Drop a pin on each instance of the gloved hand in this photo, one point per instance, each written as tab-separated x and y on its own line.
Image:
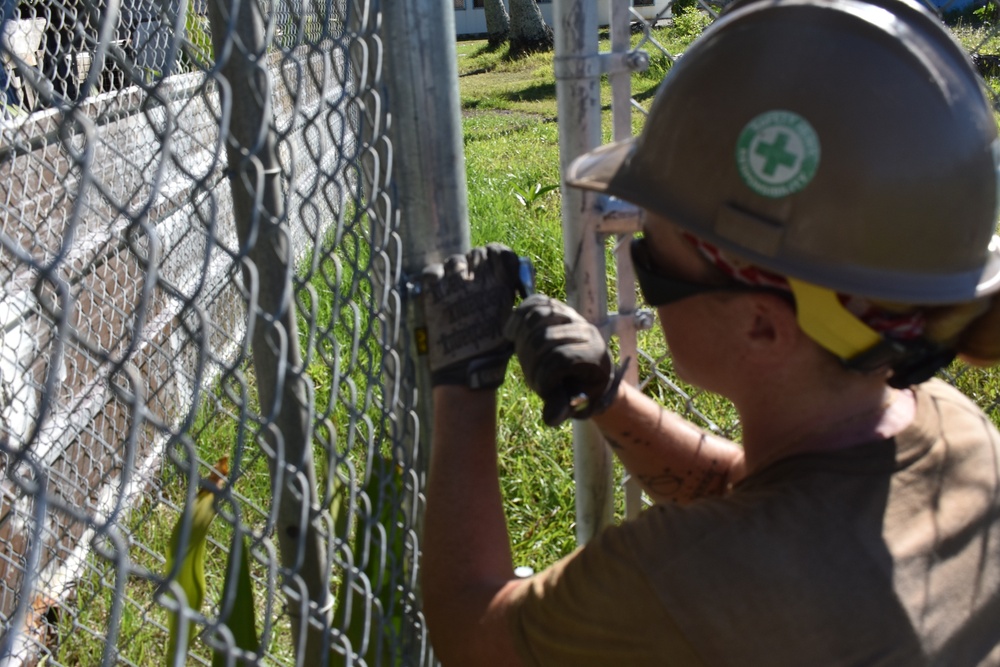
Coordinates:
564	358
467	300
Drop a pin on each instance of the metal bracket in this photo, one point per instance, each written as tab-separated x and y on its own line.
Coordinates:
591	67
617	216
641	319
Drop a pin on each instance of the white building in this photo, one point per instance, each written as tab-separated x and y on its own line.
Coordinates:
470	17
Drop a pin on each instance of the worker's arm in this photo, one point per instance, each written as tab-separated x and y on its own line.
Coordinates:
466	569
672	459
566	361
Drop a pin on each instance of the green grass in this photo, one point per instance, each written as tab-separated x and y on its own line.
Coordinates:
143	633
511	146
342	343
981	36
492	81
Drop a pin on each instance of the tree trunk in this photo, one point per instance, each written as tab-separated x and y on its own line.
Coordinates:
497	23
528	30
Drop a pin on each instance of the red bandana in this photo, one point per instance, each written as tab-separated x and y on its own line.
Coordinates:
898	326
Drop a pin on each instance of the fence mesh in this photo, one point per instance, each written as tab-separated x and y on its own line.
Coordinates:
200	354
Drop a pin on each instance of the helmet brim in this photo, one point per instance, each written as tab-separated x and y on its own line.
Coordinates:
595	170
989	282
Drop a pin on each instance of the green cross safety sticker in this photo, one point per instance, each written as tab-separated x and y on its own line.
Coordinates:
777	153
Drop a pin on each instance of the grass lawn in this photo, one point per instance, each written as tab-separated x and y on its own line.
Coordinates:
512	152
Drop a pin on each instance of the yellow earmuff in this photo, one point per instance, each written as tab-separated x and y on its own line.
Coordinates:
824	319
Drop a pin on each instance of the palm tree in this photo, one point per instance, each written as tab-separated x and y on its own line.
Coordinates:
528	30
497	23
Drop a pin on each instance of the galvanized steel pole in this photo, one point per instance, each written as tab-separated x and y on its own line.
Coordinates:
238	37
578	68
421	76
426	130
621	116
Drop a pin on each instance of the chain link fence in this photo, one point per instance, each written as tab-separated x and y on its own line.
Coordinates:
203	357
200	360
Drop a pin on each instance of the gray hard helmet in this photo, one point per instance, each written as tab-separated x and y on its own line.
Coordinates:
845	143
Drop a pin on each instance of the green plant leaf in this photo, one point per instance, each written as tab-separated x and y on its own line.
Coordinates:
242	621
523	196
191	571
527	198
357	609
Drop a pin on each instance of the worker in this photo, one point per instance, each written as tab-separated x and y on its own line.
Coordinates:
818	182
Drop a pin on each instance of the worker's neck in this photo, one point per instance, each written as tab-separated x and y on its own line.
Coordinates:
782	421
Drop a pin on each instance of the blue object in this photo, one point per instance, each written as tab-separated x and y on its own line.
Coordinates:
9	95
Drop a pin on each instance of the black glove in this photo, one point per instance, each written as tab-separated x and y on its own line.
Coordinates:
564	358
467	300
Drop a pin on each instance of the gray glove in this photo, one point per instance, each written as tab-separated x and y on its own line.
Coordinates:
564	358
467	300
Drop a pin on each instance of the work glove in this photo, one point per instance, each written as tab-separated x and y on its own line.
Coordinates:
467	300
564	358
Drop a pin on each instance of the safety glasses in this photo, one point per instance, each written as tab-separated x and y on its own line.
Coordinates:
660	290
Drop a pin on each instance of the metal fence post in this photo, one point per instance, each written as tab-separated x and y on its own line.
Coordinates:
422	78
238	39
627	222
422	82
578	69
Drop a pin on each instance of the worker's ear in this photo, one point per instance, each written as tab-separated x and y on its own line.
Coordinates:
770	327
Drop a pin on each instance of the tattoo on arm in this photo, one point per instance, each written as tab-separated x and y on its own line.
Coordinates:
673	486
710	484
625	439
690	474
666	483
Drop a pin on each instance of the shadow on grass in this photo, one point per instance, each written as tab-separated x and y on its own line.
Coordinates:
488	48
535	93
485	50
515	122
526	50
646	94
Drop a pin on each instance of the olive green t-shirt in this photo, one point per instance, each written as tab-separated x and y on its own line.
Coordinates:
882	554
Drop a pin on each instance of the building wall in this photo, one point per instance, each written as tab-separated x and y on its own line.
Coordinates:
470	20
